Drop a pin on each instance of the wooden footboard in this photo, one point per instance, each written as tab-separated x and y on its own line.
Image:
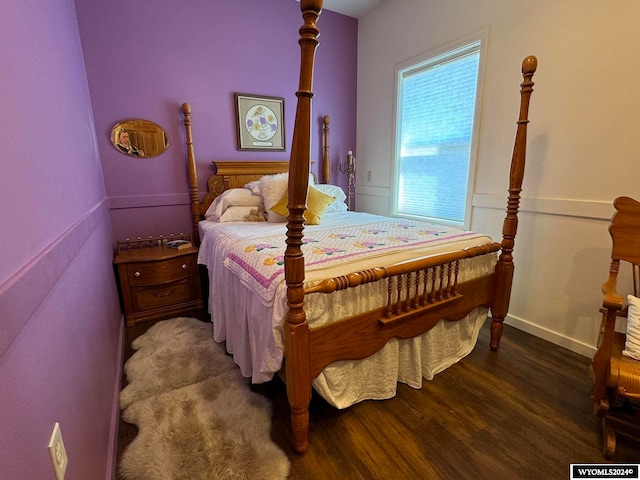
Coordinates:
418	294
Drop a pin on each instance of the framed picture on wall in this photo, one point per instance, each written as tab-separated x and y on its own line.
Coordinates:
260	122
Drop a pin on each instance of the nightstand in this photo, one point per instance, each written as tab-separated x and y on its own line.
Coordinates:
156	281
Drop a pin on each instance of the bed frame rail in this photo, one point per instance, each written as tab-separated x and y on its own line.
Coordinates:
419	293
438	262
335	341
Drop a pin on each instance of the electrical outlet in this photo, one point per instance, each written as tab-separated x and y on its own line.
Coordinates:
58	453
368	175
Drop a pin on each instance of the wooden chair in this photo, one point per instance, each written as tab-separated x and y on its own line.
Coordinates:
616	389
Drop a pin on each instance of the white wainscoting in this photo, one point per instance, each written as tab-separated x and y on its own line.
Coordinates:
545	262
596	209
376	199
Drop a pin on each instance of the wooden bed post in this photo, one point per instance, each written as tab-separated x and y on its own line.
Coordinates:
504	268
296	332
193	176
326	158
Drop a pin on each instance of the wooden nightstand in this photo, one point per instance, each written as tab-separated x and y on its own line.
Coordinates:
156	281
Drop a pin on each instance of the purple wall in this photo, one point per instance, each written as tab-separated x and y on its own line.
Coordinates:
69	73
145	58
60	325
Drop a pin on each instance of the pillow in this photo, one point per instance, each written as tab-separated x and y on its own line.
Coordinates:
334	191
272	187
243	214
632	343
254	186
317	203
337	207
232	197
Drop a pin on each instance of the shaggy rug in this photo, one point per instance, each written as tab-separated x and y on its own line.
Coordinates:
197	418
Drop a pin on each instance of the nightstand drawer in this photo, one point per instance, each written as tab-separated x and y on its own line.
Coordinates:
146	273
160	295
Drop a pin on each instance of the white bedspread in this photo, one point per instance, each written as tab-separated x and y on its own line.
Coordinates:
250	319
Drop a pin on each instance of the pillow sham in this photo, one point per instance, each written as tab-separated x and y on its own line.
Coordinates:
272	187
243	214
334	191
232	197
632	343
317	203
337	206
254	185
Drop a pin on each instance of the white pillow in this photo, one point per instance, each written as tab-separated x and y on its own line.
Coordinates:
242	197
253	186
335	191
238	214
632	343
272	188
337	206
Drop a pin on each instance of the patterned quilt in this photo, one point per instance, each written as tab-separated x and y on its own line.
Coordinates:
260	264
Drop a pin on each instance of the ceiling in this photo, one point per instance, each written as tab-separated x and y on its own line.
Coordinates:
352	8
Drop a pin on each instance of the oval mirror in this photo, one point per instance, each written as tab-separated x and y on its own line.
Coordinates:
139	138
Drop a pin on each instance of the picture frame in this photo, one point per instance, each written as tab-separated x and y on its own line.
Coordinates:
260	122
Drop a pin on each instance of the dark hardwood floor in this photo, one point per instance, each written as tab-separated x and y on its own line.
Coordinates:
521	413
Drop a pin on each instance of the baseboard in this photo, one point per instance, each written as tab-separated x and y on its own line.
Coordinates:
550	336
112	459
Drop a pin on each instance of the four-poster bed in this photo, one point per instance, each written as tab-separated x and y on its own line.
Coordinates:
401	300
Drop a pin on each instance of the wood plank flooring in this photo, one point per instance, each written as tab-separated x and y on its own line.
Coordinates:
521	413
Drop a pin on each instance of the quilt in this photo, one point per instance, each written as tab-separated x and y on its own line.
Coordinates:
260	264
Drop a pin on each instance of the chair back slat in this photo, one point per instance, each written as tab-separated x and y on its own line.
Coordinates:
625	231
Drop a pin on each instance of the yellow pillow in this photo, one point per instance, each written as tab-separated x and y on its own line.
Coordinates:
317	203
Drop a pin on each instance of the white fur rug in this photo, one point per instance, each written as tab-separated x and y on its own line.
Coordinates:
197	418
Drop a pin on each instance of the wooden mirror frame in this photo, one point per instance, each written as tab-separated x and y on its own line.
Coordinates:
146	139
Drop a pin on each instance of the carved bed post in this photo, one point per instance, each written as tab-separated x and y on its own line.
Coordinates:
504	268
326	158
296	332
193	176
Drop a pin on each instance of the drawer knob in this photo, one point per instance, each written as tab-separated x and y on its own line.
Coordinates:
137	274
184	266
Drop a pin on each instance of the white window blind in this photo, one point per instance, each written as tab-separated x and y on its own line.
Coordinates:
436	101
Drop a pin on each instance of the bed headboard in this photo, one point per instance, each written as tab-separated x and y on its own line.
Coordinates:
235	174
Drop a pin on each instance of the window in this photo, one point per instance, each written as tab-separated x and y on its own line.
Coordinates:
434	139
